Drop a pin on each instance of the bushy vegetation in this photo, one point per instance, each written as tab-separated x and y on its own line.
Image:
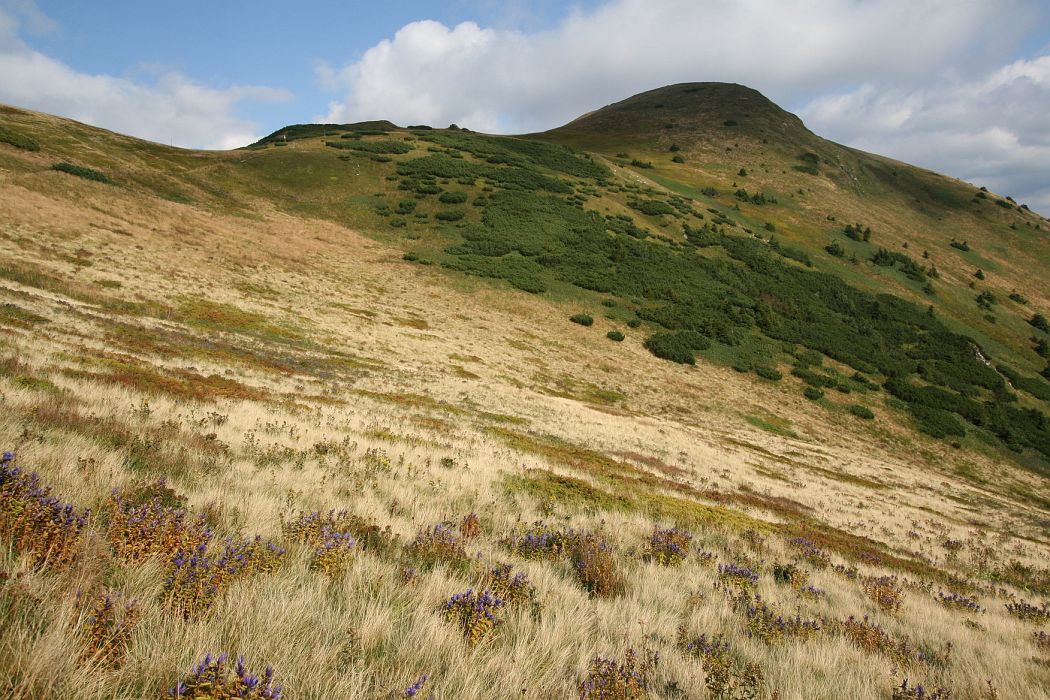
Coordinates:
80	171
911	269
388	146
18	140
453	197
582	319
677	346
652	207
753	296
861	411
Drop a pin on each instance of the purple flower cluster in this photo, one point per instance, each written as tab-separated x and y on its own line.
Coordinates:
211	678
513	589
38	524
737	575
476	614
106	631
438	542
811	552
413	690
197	579
706	647
1023	610
766	623
538	543
138	531
607	679
812	592
333	555
669	547
887	592
594	561
918	692
956	600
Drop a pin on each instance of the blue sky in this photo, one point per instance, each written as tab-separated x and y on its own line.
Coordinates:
958	86
278	44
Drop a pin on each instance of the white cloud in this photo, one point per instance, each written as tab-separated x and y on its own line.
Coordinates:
990	129
171	109
513	82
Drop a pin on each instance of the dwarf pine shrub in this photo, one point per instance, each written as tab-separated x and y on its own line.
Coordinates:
582	319
80	171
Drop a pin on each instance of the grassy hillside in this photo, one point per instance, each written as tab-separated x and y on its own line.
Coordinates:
354	341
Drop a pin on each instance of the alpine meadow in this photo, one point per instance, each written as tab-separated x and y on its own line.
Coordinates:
676	401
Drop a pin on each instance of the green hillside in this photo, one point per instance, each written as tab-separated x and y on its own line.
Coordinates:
707	219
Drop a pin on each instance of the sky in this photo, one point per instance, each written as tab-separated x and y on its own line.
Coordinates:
957	86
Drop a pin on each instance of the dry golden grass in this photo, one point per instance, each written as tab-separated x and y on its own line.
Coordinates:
276	364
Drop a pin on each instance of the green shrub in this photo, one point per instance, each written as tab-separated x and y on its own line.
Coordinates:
615	335
378	147
449	215
678	159
79	171
18	140
768	373
746	295
813	393
678	346
634	323
452	197
861	411
582	319
652	207
1039	321
936	422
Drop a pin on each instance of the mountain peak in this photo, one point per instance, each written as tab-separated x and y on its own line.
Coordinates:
719	107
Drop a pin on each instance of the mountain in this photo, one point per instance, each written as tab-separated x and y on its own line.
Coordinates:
679	377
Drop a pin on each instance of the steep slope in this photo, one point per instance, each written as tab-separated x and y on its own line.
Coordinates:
259	329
